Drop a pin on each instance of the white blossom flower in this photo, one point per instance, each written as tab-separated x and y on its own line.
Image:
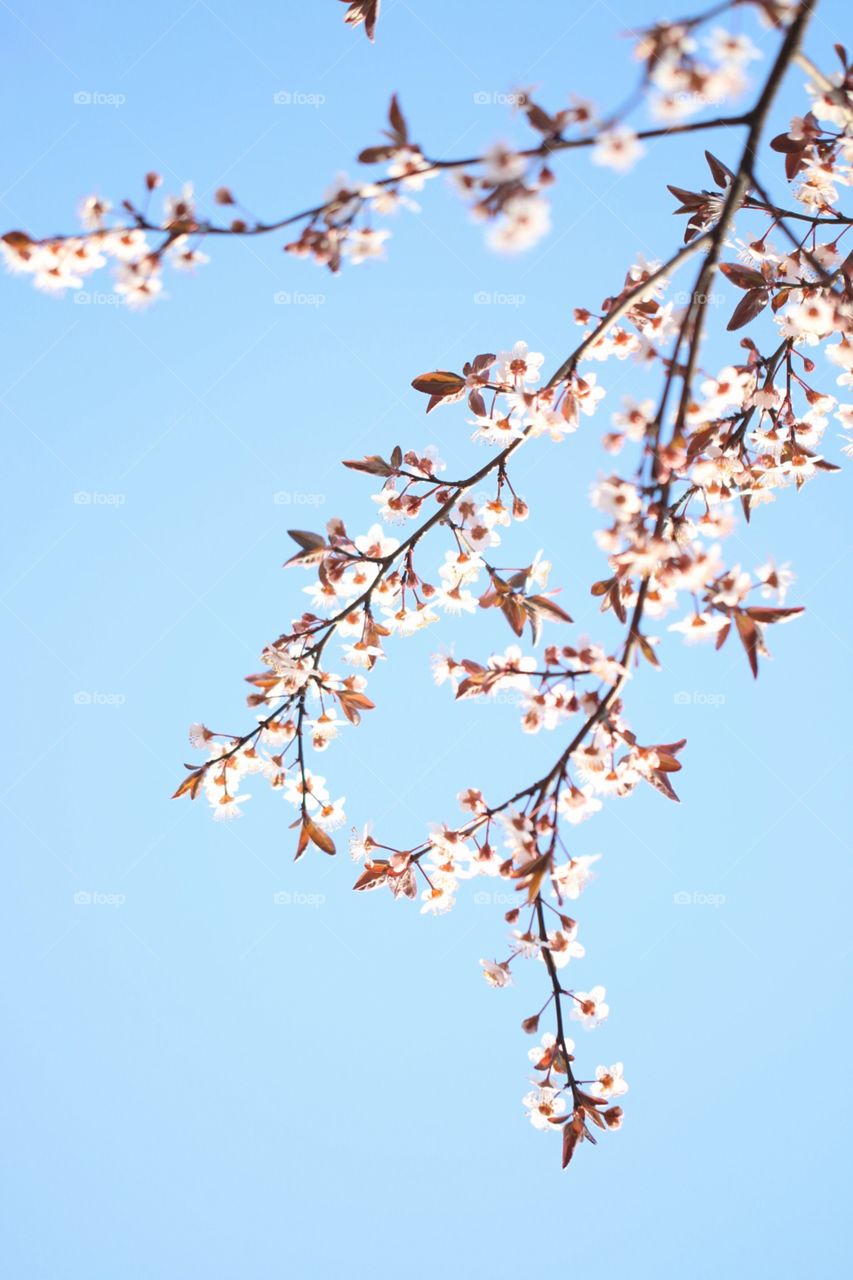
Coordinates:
497	975
589	1008
618	148
524	220
544	1105
610	1082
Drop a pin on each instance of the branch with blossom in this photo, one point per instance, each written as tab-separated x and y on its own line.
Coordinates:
707	445
504	187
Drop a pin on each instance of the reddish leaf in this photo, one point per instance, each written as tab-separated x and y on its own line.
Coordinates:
514	612
318	836
743	277
573	1132
751	304
352	703
749	638
190	785
373	465
721	174
302	843
404	885
439	383
767	614
647	651
476	403
307	541
376	155
658	779
397	121
17	240
366	11
548	608
375	874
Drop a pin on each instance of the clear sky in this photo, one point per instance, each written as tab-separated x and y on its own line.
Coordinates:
201	1081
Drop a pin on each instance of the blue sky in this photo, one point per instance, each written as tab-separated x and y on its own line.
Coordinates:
202	1081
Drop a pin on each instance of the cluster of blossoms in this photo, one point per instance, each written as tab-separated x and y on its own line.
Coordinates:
506	186
709	444
367	588
65	262
688	74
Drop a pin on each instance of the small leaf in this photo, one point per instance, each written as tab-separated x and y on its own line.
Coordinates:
658	779
749	638
751	304
397	120
647	651
302	843
372	465
307	541
548	608
439	383
404	885
743	277
573	1132
17	240
318	836
190	785
376	155
366	11
721	174
768	615
373	876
